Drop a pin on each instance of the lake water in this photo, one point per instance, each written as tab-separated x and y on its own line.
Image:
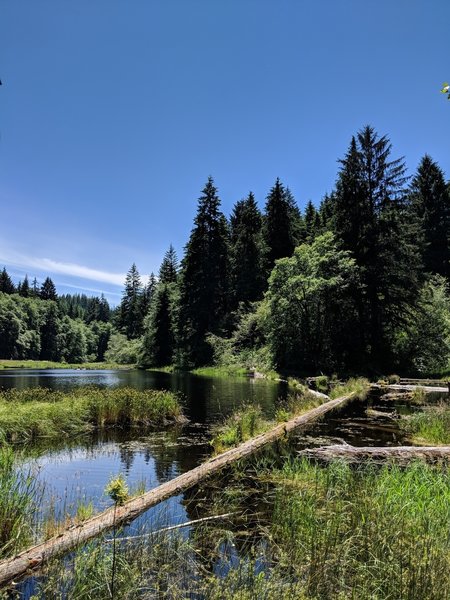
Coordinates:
78	470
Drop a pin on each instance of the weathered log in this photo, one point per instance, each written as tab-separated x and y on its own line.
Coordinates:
34	557
397	454
410	388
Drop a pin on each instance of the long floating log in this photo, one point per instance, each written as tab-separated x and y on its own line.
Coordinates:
398	454
77	534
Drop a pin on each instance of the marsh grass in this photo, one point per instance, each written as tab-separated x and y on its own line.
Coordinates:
429	426
26	415
17	498
359	386
364	533
250	421
334	532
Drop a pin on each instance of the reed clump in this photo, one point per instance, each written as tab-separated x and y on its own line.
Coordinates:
17	503
26	415
363	532
429	426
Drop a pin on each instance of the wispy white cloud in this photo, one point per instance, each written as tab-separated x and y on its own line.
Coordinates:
51	266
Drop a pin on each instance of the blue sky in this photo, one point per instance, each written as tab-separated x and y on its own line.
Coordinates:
114	113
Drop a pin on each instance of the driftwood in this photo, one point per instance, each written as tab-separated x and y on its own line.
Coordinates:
398	454
77	534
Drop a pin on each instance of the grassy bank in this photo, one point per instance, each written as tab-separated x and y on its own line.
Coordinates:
429	426
48	364
34	413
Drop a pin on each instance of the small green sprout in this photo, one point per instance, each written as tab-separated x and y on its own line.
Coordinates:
117	490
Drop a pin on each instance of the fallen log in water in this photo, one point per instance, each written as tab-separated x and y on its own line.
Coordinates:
78	534
398	454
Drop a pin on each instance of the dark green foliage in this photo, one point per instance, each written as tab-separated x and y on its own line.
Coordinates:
370	220
297	221
24	290
430	205
130	311
204	280
159	338
148	295
49	333
168	271
312	222
278	230
48	290
247	277
6	284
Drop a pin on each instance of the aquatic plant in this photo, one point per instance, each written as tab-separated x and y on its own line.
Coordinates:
429	426
38	412
17	497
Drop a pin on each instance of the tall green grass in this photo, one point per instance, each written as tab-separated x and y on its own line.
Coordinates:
26	415
17	496
429	426
365	532
48	364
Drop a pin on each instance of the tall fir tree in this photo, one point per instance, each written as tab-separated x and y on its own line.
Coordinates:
168	271
130	315
204	281
49	333
278	229
6	284
370	220
48	290
159	338
246	267
430	205
312	222
297	220
148	295
25	288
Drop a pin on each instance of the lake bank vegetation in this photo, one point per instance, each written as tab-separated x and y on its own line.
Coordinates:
320	532
356	284
249	421
29	414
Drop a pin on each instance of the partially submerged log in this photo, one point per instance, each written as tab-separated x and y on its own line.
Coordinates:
410	388
34	557
397	454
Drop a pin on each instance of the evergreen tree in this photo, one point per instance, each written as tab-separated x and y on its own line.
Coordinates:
25	288
297	221
370	221
130	310
431	207
48	290
168	271
246	269
204	281
49	333
6	284
148	294
34	289
159	337
312	222
278	230
104	311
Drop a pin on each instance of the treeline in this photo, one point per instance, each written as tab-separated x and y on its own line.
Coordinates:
36	324
358	284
